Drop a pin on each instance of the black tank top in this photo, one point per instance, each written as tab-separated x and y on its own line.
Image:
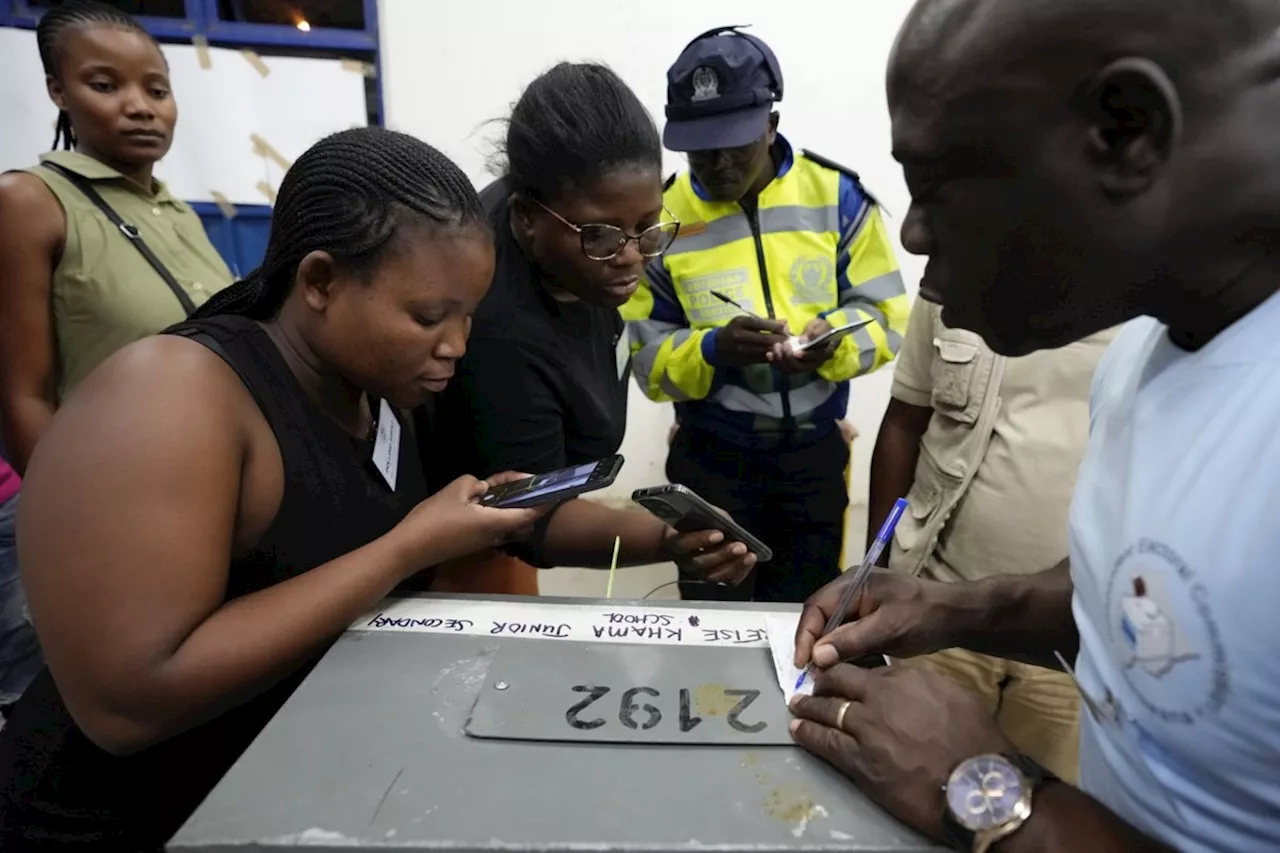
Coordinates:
57	789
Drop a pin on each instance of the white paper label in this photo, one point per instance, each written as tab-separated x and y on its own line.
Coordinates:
782	642
594	623
386	446
622	354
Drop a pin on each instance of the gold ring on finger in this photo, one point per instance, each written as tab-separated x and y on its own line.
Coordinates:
844	708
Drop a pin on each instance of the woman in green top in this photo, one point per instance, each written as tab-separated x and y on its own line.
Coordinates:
73	288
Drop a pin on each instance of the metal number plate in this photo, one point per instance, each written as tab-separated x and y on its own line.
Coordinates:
631	694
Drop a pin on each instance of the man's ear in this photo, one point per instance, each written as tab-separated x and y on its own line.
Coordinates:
773	127
1135	120
316	279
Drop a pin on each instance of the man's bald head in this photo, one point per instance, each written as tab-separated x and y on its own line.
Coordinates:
1057	38
1060	154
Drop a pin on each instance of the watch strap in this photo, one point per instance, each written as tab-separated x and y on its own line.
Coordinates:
1036	774
957	836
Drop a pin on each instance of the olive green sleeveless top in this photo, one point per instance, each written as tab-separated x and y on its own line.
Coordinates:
104	293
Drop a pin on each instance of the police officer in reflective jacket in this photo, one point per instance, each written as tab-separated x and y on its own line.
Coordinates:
776	247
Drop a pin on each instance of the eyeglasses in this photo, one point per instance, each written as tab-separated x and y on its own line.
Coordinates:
605	242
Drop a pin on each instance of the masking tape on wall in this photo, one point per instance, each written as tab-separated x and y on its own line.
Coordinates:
267	190
256	61
201	44
264	148
357	67
224	204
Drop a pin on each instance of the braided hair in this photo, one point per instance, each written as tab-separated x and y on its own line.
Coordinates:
348	195
572	125
49	34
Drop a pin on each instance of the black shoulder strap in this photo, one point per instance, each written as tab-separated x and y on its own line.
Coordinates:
844	170
200	336
669	182
129	231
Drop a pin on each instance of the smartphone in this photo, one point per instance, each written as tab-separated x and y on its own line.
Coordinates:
684	510
833	335
555	486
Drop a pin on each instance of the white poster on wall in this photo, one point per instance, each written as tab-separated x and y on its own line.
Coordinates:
221	110
27	117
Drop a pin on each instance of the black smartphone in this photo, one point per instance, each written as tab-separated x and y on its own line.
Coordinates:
686	511
554	486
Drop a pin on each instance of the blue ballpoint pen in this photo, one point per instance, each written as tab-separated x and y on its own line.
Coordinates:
860	576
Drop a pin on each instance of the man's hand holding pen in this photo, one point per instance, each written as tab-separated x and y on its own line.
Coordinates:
748	340
896	732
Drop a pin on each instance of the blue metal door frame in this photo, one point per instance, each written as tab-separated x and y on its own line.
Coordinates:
241	239
203	19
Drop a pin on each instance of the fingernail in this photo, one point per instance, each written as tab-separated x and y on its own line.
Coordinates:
824	655
794	725
739	549
717	537
795	702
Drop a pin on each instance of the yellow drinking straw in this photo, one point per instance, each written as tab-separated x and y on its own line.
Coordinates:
613	567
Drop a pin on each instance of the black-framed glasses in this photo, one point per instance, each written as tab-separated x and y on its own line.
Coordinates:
605	242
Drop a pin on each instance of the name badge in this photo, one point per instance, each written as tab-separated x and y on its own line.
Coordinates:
386	445
622	354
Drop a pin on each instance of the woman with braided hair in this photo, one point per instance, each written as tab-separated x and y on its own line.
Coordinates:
73	289
216	504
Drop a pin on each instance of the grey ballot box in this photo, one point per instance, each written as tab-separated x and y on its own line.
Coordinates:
413	741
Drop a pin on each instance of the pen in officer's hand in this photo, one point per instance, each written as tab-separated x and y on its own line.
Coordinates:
860	576
718	295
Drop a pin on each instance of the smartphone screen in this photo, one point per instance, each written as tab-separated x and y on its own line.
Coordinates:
555	485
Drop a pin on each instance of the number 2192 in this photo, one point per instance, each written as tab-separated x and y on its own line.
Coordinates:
635	712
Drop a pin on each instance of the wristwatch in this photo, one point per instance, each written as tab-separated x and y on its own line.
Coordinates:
988	797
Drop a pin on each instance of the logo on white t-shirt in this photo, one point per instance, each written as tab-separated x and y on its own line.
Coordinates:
1164	635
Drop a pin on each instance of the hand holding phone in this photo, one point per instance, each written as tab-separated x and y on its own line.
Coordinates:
833	336
555	486
454	522
685	511
813	349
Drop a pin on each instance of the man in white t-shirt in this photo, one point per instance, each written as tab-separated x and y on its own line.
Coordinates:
1075	164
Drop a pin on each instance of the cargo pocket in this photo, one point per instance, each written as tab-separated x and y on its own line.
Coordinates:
928	492
953	378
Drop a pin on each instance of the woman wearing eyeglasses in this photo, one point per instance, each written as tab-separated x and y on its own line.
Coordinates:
577	213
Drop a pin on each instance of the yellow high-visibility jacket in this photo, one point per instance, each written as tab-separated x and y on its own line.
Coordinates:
815	246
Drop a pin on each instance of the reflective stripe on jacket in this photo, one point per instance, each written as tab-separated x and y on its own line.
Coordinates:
815	246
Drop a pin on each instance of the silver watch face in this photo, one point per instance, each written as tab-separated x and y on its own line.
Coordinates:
986	792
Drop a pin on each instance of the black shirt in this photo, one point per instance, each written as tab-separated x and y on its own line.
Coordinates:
57	789
543	384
